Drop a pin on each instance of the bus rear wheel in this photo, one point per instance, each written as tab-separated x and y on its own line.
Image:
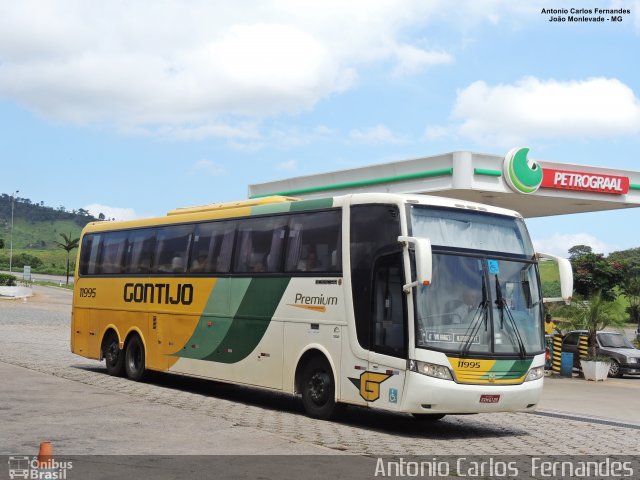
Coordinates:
113	356
134	365
318	389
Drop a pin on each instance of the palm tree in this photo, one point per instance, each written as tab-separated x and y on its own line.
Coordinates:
68	244
593	315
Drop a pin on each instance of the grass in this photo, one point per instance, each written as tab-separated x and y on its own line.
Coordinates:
52	284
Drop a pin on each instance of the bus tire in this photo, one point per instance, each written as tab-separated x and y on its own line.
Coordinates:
113	356
428	417
134	365
318	389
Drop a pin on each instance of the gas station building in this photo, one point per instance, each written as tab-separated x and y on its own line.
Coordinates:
534	188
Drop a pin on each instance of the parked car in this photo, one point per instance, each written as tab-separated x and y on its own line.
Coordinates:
625	358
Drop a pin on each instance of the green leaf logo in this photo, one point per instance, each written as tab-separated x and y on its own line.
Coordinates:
522	175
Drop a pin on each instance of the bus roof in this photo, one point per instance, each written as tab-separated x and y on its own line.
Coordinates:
281	204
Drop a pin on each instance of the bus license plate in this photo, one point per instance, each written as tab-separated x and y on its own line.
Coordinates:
489	398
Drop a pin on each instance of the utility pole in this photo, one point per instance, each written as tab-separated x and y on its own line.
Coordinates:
13	201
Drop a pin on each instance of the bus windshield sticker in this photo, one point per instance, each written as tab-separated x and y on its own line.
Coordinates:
493	265
439	337
459	338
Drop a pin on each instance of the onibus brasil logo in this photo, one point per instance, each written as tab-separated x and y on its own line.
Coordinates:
522	175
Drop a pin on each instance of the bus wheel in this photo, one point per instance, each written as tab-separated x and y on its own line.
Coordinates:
428	417
134	358
113	356
318	389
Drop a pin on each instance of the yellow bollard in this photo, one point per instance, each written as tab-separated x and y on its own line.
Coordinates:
583	347
556	354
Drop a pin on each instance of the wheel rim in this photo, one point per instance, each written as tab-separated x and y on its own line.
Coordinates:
614	368
112	353
318	387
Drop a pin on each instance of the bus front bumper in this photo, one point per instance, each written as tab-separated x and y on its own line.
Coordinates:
424	394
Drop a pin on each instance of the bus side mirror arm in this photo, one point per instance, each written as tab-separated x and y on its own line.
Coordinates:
424	261
566	277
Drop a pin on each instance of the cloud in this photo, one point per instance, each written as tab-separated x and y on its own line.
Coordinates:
559	244
118	213
288	165
377	135
207	167
193	71
507	114
412	60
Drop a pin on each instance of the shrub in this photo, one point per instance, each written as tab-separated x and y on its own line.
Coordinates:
7	280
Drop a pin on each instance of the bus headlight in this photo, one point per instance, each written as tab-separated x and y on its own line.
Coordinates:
535	374
430	369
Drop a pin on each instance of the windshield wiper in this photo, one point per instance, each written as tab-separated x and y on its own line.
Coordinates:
474	326
502	305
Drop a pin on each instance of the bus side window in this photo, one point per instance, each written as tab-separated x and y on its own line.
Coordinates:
112	253
140	244
260	245
314	243
172	249
89	257
212	246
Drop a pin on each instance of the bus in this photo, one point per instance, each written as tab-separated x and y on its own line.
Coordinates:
407	303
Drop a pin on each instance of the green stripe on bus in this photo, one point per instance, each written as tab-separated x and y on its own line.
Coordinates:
220	310
298	206
509	369
251	321
312	204
282	207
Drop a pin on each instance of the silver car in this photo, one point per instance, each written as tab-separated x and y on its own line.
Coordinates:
625	358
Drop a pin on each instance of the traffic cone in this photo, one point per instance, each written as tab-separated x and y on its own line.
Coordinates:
45	454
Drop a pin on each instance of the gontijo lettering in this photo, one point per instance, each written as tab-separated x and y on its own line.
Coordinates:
158	293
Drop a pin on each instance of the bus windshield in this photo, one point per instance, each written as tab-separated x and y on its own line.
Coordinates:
470	229
479	302
480	305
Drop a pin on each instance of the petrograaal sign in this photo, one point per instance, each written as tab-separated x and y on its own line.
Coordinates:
585	182
526	176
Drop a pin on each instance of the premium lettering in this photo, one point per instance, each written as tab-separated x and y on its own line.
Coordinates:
160	293
321	300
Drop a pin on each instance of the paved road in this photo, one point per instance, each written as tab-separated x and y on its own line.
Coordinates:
49	393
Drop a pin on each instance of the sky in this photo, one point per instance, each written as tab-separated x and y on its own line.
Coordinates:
134	108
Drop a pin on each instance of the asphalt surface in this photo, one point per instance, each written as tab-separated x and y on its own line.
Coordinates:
47	393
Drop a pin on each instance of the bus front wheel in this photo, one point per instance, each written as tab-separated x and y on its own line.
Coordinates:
113	356
134	358
318	389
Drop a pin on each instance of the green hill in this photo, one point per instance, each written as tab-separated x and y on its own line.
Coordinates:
36	228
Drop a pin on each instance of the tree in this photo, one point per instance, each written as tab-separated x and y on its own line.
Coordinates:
594	274
68	244
630	284
1	243
593	315
579	250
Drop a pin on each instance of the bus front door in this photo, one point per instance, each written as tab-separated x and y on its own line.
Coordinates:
384	382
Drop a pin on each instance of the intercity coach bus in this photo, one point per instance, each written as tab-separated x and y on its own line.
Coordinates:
408	303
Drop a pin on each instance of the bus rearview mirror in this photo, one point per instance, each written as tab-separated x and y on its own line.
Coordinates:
565	273
424	260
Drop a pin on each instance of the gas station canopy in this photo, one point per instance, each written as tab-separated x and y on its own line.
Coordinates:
532	188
